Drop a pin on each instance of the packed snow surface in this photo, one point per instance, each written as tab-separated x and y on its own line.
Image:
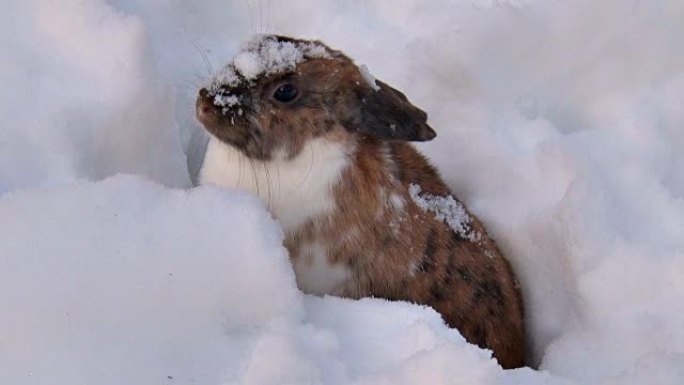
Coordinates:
559	126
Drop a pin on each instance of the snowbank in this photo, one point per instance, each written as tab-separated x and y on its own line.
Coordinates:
127	282
80	99
559	125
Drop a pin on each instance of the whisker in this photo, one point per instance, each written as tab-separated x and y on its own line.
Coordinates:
280	193
268	184
324	93
184	35
205	58
240	163
251	16
308	173
268	16
261	16
314	107
255	176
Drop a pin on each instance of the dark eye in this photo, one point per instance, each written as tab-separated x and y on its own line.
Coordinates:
286	93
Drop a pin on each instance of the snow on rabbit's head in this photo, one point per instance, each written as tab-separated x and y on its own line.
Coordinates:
279	92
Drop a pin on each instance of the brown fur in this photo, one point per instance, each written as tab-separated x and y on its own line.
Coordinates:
393	250
409	255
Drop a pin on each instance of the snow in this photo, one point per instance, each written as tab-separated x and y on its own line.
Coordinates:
446	209
125	281
70	104
102	283
559	126
264	55
226	100
368	77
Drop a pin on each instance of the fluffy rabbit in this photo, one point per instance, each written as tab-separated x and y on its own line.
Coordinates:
364	214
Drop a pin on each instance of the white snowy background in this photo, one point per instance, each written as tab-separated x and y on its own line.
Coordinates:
560	124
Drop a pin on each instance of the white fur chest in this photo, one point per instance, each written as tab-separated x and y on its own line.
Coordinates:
315	274
294	190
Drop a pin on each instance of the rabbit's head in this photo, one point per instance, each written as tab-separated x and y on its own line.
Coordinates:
278	93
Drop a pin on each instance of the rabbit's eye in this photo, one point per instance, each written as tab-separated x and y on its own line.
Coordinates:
286	93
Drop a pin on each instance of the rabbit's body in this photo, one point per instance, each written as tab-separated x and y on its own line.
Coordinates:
362	215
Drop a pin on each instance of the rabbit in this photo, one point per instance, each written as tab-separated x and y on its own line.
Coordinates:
326	146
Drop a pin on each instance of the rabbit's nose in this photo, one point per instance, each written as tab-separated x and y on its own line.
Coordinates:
205	109
205	106
205	103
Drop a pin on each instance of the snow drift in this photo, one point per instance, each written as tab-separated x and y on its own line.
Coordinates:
559	125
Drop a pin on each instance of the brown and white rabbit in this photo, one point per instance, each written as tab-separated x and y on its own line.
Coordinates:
364	214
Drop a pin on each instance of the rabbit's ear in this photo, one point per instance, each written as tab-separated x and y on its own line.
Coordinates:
386	113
